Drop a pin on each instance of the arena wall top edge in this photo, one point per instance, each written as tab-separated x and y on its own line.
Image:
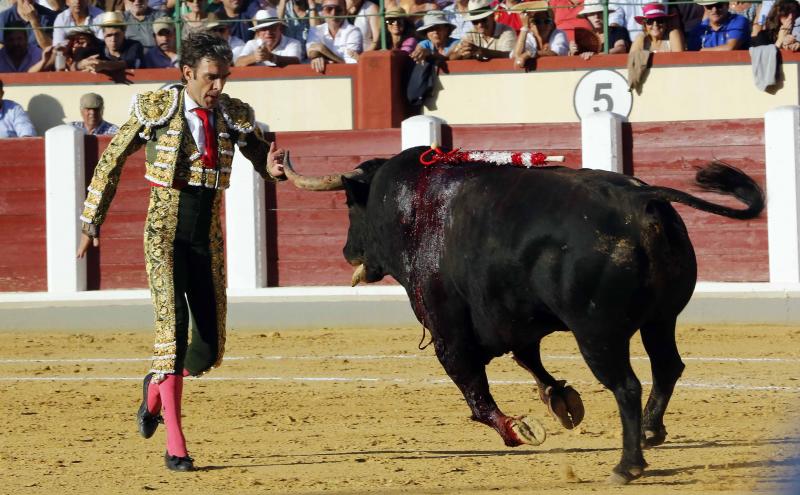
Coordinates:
371	94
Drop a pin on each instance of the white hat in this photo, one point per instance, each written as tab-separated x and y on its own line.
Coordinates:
435	18
266	18
593	7
479	9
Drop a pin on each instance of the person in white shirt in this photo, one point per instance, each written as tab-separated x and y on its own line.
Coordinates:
538	36
78	13
367	21
337	41
270	47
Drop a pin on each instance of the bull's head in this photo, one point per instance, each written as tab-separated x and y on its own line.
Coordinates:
356	185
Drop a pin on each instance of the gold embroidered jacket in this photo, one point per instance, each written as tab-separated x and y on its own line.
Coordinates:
157	120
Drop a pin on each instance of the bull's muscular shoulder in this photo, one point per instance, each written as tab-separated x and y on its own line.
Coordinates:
155	108
237	114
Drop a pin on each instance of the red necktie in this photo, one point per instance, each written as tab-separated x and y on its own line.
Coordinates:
210	154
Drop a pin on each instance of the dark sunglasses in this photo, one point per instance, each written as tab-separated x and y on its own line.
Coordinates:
394	21
718	6
332	8
542	22
659	20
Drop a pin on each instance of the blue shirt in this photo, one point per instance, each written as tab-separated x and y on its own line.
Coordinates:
46	19
735	27
14	122
428	45
103	128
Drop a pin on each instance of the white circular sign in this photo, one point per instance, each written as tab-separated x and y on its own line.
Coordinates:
602	91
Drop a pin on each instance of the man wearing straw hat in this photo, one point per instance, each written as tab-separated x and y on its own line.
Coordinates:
490	39
188	132
270	46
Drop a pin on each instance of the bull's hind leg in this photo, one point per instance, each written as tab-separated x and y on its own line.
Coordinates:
563	402
609	360
465	365
666	366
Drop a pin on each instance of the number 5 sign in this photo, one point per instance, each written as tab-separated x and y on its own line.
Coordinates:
602	91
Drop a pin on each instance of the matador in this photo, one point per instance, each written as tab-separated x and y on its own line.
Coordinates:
188	132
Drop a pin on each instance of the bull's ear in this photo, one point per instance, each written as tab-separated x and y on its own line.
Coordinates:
357	191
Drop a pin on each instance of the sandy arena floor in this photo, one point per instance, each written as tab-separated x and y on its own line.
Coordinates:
365	411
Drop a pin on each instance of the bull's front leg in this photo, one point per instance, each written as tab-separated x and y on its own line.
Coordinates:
467	368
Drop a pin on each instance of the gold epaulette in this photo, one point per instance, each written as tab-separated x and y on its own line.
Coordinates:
237	114
155	108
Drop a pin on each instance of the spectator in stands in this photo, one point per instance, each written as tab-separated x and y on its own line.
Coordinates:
17	55
778	26
689	16
505	14
139	18
79	13
588	44
438	44
163	7
623	13
164	54
223	31
14	121
270	46
457	14
657	35
195	19
92	116
539	36
364	15
490	38
337	41
34	17
720	30
239	14
119	52
565	14
300	16
81	44
399	31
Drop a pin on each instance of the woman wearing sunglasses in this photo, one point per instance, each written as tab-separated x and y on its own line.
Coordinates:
399	31
538	37
659	34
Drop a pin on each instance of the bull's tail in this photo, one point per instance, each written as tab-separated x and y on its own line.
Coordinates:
721	178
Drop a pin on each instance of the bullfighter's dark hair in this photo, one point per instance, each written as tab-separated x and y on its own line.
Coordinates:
200	45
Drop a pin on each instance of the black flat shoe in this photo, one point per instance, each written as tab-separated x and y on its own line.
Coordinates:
147	421
175	463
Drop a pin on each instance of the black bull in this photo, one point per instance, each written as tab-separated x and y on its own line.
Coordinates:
494	258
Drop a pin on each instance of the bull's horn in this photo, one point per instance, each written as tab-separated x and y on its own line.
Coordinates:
358	275
316	182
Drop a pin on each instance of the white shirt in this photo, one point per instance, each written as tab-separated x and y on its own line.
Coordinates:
194	122
287	47
558	43
362	23
459	19
348	38
64	21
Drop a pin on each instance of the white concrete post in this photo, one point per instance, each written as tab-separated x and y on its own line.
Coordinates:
421	130
65	193
245	226
782	150
601	141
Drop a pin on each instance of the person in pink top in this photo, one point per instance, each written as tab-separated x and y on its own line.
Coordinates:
399	31
565	14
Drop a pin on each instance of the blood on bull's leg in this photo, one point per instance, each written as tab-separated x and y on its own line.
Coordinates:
563	401
666	365
611	365
468	371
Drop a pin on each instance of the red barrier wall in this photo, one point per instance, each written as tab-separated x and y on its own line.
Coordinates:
23	230
667	154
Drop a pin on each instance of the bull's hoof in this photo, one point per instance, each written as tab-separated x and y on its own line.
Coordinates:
528	431
653	437
623	477
565	404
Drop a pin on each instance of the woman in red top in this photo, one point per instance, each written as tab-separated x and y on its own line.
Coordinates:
565	14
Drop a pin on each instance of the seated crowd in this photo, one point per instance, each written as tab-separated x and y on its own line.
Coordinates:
114	35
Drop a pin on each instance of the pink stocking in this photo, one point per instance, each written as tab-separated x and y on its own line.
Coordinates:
153	398
171	389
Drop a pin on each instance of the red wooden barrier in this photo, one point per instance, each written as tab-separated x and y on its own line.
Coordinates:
23	230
